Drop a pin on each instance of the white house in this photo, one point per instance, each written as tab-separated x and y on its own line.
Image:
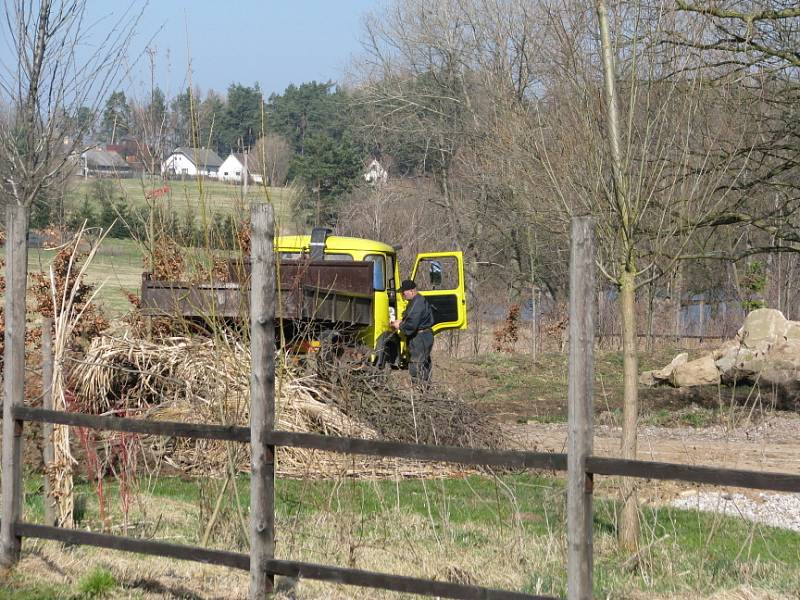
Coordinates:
376	174
191	162
233	167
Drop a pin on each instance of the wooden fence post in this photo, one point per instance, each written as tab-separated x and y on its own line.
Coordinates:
582	294
48	451
262	399
13	379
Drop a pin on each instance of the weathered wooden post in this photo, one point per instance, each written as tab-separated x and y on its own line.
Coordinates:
13	379
262	399
582	296
48	451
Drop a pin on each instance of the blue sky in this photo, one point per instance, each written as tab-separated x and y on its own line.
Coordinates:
270	42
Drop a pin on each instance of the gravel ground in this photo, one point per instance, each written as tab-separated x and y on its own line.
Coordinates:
777	510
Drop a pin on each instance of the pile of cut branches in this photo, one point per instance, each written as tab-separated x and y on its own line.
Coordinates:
207	381
435	415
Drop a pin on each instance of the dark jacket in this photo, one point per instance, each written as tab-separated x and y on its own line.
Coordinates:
418	315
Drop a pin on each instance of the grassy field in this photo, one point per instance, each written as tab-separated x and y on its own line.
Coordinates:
522	391
118	264
503	531
195	196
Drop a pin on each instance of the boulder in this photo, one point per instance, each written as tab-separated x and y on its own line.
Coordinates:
726	356
781	365
727	347
651	378
726	365
665	373
646	378
763	328
702	371
793	331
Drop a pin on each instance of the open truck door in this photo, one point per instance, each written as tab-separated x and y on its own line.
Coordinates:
440	278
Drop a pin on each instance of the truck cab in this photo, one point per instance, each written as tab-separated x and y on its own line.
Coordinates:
439	277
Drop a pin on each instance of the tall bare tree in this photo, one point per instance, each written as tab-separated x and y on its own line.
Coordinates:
529	113
56	74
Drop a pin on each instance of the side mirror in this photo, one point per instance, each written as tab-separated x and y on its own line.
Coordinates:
436	273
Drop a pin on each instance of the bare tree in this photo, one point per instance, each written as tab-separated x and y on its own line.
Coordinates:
527	114
273	154
56	74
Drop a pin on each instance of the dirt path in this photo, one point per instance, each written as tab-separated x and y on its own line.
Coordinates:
771	445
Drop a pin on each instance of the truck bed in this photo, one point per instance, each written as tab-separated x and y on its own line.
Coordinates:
332	291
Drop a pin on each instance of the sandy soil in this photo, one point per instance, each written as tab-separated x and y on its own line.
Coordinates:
773	444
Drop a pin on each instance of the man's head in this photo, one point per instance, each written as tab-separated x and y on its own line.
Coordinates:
408	289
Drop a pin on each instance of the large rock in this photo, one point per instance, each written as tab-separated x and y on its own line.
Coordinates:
762	329
781	365
746	367
665	373
646	378
702	371
726	356
793	331
651	378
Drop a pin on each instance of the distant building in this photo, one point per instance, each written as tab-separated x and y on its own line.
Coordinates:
233	167
192	162
104	163
140	156
376	174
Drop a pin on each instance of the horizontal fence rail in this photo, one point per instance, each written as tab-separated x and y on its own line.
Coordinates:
761	480
666	336
231	433
237	560
598	465
451	454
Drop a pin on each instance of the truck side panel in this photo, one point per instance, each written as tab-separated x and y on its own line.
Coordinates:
324	291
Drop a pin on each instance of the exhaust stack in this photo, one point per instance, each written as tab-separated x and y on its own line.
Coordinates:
318	237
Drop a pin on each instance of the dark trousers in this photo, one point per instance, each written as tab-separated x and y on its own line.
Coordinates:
419	365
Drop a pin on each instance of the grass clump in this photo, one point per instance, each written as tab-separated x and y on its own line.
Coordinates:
97	583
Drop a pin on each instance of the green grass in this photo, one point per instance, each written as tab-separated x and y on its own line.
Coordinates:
690	416
97	583
186	196
332	521
19	590
537	391
117	265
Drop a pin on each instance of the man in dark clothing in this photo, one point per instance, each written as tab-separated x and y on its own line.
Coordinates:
416	324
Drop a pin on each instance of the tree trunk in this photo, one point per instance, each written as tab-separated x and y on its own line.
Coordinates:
629	518
677	295
651	295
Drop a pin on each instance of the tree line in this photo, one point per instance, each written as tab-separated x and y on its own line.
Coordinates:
305	133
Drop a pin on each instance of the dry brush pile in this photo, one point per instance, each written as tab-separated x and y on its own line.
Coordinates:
207	381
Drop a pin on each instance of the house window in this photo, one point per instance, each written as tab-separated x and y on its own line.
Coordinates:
185	171
226	172
237	173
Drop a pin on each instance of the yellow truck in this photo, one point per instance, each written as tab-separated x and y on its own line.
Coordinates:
333	292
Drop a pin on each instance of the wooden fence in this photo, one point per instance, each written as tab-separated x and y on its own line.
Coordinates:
580	464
